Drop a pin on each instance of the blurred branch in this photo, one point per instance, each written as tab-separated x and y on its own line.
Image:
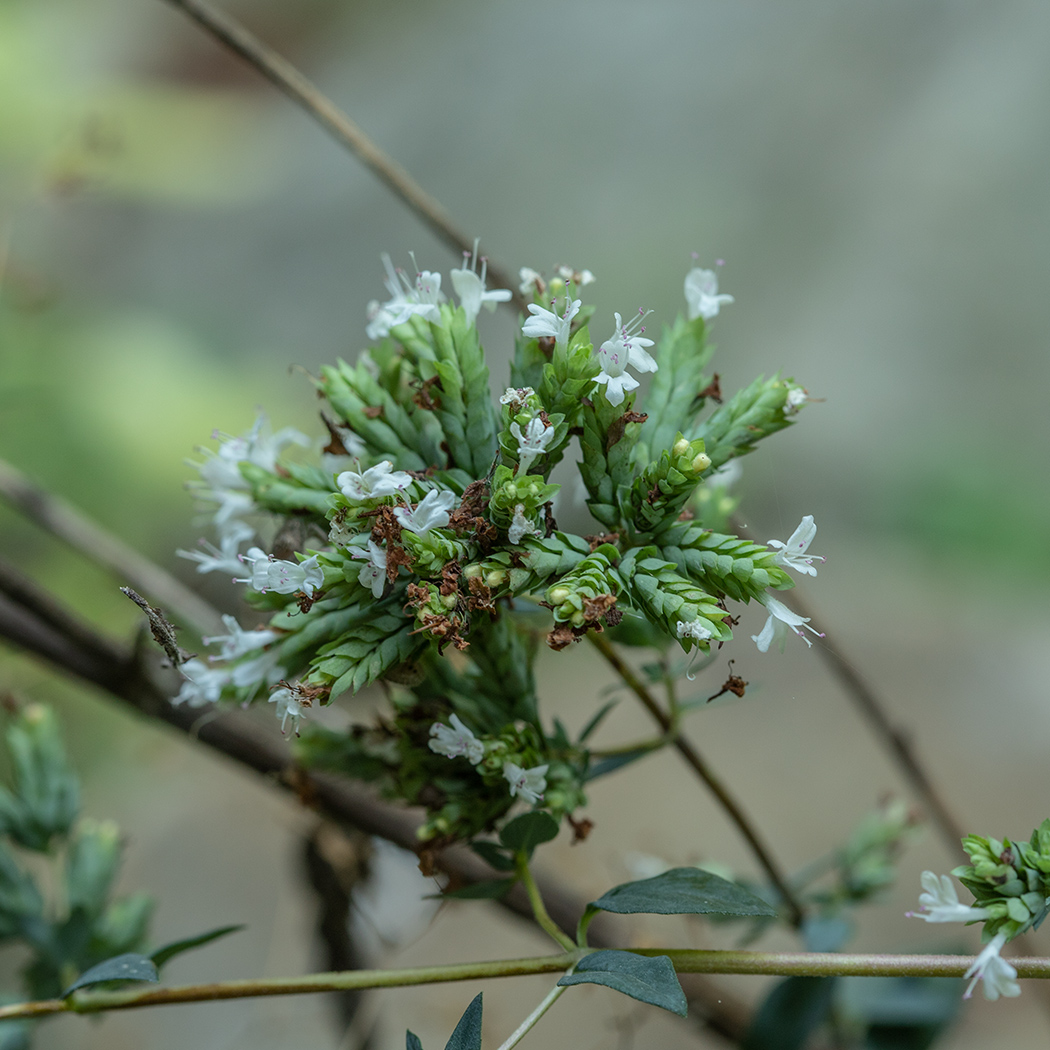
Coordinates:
693	758
61	519
33	620
291	83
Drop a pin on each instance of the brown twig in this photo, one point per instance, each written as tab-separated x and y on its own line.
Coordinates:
696	762
63	520
291	83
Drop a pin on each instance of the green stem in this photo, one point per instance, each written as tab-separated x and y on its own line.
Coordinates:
523	1029
538	909
777	964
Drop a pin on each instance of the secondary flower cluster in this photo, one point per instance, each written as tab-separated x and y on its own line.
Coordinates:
1010	882
426	520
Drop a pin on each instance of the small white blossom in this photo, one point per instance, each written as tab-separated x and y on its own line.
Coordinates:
701	294
693	629
519	395
796	398
291	704
456	741
999	977
940	903
532	443
225	558
779	616
623	348
239	641
203	685
406	299
520	526
470	287
547	324
284	577
432	512
259	671
373	572
375	483
531	281
792	555
528	784
220	469
580	277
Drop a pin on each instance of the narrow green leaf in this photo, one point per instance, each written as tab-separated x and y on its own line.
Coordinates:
493	855
682	891
596	720
412	1041
169	951
467	1035
128	967
795	1008
648	979
487	889
523	834
615	762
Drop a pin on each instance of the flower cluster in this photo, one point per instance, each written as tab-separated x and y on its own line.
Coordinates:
427	523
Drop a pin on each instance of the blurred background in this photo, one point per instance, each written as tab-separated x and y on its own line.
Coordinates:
179	246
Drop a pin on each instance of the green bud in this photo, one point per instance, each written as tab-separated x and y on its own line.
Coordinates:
701	462
495	578
680	447
557	595
449	601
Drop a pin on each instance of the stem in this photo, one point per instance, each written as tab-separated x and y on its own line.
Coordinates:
523	1029
538	909
707	775
291	83
776	964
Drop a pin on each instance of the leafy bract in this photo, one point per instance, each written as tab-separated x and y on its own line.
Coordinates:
648	979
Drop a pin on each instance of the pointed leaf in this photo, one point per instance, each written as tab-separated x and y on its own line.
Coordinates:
682	891
467	1035
523	834
169	951
596	720
493	855
647	979
412	1041
128	967
614	762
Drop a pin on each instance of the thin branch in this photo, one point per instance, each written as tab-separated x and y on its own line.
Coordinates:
63	520
693	758
684	960
290	82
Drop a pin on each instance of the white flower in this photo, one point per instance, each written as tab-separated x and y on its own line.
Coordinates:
203	685
232	505
471	288
531	281
405	300
532	444
373	572
623	348
792	555
693	629
940	902
546	324
260	670
796	398
528	784
225	558
520	526
779	616
239	641
580	277
291	703
455	742
432	512
284	577
375	483
999	977
701	294
517	395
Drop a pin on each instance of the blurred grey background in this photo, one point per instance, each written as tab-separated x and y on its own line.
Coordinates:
174	236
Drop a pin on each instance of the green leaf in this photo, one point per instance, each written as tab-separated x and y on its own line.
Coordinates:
128	967
487	889
493	855
467	1035
791	1012
169	951
596	720
615	762
682	891
523	834
412	1041
648	979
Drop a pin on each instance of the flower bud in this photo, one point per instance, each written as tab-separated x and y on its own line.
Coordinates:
495	578
701	462
680	447
449	600
557	595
